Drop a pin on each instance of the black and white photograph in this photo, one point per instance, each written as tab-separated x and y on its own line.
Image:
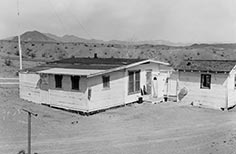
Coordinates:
118	77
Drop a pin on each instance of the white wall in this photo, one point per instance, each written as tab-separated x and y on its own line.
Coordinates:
155	70
67	98
214	97
102	98
231	88
29	87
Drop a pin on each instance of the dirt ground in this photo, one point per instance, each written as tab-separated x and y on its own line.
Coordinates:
165	128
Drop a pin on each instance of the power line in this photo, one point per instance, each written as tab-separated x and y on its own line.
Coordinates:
57	16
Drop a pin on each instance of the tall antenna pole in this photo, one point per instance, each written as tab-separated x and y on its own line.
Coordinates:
19	42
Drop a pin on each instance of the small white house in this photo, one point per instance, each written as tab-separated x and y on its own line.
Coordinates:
208	83
92	84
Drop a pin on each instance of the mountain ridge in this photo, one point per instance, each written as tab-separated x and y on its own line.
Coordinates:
49	37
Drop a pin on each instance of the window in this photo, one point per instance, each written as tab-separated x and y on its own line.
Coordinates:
75	82
234	81
58	81
134	81
205	81
106	81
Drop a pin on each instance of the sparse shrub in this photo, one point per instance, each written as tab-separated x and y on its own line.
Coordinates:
32	55
90	49
32	44
86	45
17	53
22	152
66	47
15	47
198	54
94	45
8	62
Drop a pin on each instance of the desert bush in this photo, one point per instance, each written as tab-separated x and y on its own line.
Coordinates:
17	53
7	62
21	152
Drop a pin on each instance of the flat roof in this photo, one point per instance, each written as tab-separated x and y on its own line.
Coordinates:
206	65
89	66
63	71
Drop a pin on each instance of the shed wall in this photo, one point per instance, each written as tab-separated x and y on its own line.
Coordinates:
67	98
29	87
143	68
102	98
215	97
231	88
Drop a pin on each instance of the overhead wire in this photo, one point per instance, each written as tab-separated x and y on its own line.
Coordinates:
54	11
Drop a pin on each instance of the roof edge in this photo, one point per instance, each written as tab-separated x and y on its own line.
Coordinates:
128	66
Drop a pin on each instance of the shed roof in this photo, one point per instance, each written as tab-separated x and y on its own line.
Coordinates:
62	71
89	66
207	65
85	63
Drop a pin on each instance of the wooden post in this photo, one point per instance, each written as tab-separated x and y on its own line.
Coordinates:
226	94
29	128
29	133
20	52
177	85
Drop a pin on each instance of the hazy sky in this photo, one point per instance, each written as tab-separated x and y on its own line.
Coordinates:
174	20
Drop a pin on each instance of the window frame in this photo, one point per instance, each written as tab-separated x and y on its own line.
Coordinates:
58	81
134	79
204	84
75	80
106	81
234	81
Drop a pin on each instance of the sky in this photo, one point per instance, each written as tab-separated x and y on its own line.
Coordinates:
186	21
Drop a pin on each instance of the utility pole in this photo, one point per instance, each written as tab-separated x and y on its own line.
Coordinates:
29	128
19	41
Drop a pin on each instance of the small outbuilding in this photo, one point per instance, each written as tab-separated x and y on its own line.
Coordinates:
209	83
92	84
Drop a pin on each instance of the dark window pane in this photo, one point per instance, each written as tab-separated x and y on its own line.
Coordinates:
106	81
58	81
206	81
75	82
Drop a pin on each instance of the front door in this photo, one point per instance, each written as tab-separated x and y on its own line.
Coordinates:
159	85
148	82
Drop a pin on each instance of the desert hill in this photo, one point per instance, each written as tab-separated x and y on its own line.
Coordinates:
36	46
34	36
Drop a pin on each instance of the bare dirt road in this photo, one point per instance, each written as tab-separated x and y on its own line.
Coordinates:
136	129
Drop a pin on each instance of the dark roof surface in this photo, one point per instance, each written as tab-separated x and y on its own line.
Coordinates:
86	63
207	65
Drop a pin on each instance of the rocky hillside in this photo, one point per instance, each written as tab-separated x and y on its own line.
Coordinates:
37	45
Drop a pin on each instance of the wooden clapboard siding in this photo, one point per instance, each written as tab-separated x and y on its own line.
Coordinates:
150	66
67	98
231	88
214	97
29	89
102	98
